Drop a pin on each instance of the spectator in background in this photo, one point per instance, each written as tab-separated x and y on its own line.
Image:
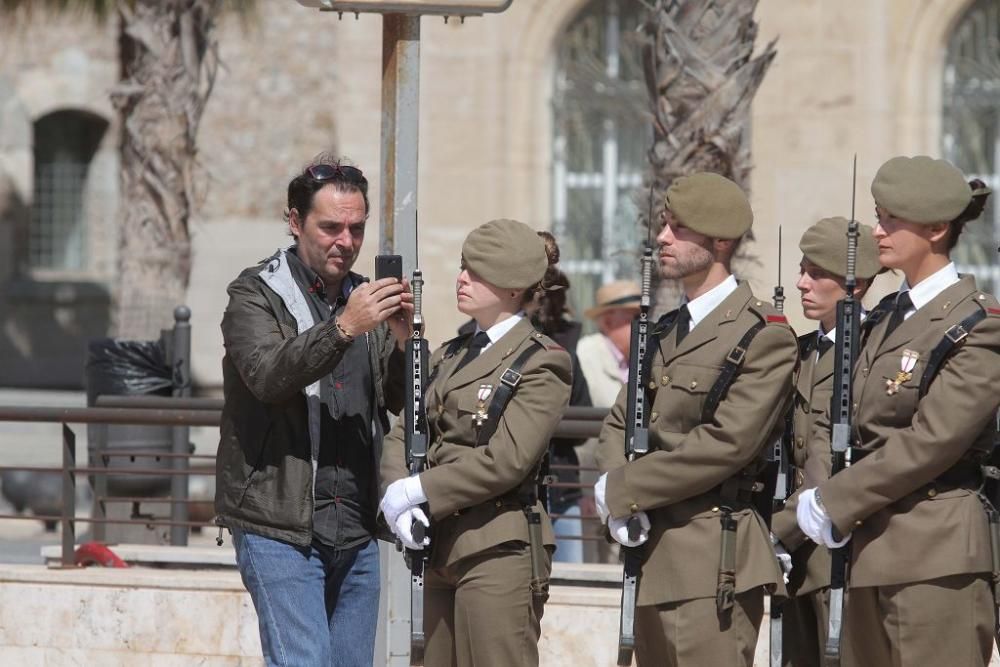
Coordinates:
551	315
603	359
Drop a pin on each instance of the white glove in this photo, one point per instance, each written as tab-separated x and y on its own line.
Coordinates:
600	490
784	558
619	529
400	496
403	527
814	521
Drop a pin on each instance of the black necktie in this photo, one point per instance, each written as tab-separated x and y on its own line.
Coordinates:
903	304
479	341
683	323
824	345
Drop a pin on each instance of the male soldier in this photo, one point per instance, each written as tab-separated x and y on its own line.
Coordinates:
821	283
719	382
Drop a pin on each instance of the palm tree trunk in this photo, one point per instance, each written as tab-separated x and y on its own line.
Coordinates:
701	78
169	59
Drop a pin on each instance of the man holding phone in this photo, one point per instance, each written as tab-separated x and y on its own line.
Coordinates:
313	361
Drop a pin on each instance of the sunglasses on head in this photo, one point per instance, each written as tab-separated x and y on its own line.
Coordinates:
328	172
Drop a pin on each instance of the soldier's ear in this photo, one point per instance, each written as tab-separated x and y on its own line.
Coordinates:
294	222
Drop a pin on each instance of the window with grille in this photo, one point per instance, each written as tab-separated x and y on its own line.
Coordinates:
601	136
971	130
64	145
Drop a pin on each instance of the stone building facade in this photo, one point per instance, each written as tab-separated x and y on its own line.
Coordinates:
871	77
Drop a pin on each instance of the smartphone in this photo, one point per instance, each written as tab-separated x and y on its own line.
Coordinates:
389	266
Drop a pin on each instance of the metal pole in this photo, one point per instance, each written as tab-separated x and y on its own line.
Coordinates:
99	481
68	496
400	116
181	364
398	229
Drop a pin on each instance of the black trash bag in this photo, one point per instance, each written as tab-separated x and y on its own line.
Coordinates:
126	368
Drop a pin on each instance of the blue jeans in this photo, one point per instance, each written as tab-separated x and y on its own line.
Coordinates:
569	525
316	606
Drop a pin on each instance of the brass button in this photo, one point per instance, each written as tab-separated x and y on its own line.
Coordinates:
665	380
855	407
799	441
653	416
633	508
694	383
858	522
498	504
715	509
457	513
864	371
931	492
652	384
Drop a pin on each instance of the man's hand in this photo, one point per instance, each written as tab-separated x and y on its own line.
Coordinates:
370	304
619	529
401	323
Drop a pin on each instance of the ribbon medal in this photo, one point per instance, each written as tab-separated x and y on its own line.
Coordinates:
905	374
484	393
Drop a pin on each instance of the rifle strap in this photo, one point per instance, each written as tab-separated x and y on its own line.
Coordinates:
509	381
732	365
955	334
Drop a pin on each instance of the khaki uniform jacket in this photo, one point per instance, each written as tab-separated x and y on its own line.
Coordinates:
906	527
676	483
472	491
813	393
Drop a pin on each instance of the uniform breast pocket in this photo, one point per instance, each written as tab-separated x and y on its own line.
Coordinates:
685	388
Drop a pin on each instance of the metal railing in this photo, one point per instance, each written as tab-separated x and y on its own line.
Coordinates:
181	412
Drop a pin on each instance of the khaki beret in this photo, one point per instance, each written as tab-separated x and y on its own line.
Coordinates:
619	294
506	253
921	189
825	245
710	204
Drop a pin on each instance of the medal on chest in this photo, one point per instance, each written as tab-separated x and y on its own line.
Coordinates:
481	397
905	374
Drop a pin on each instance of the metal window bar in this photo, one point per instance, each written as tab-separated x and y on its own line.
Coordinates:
57	236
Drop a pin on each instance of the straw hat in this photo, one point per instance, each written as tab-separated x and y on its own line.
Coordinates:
619	294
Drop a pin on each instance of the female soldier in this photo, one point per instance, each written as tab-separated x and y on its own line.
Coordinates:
925	408
483	601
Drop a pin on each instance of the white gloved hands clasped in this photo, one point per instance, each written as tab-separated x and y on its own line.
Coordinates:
814	521
619	529
403	528
400	496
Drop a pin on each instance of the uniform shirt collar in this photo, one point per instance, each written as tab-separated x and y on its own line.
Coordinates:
928	288
701	306
497	331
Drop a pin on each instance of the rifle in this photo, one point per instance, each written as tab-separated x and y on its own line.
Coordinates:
779	459
415	429
636	445
841	424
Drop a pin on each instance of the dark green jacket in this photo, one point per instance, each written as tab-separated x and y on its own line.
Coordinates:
275	357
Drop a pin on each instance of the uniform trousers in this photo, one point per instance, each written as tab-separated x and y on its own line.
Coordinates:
480	611
805	620
945	621
691	633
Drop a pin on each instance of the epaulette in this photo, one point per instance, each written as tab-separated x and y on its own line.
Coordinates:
766	312
546	342
988	302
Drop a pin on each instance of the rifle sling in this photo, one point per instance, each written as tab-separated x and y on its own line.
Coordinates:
734	361
509	381
952	337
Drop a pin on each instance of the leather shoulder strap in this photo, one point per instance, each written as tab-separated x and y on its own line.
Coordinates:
732	365
955	334
510	379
